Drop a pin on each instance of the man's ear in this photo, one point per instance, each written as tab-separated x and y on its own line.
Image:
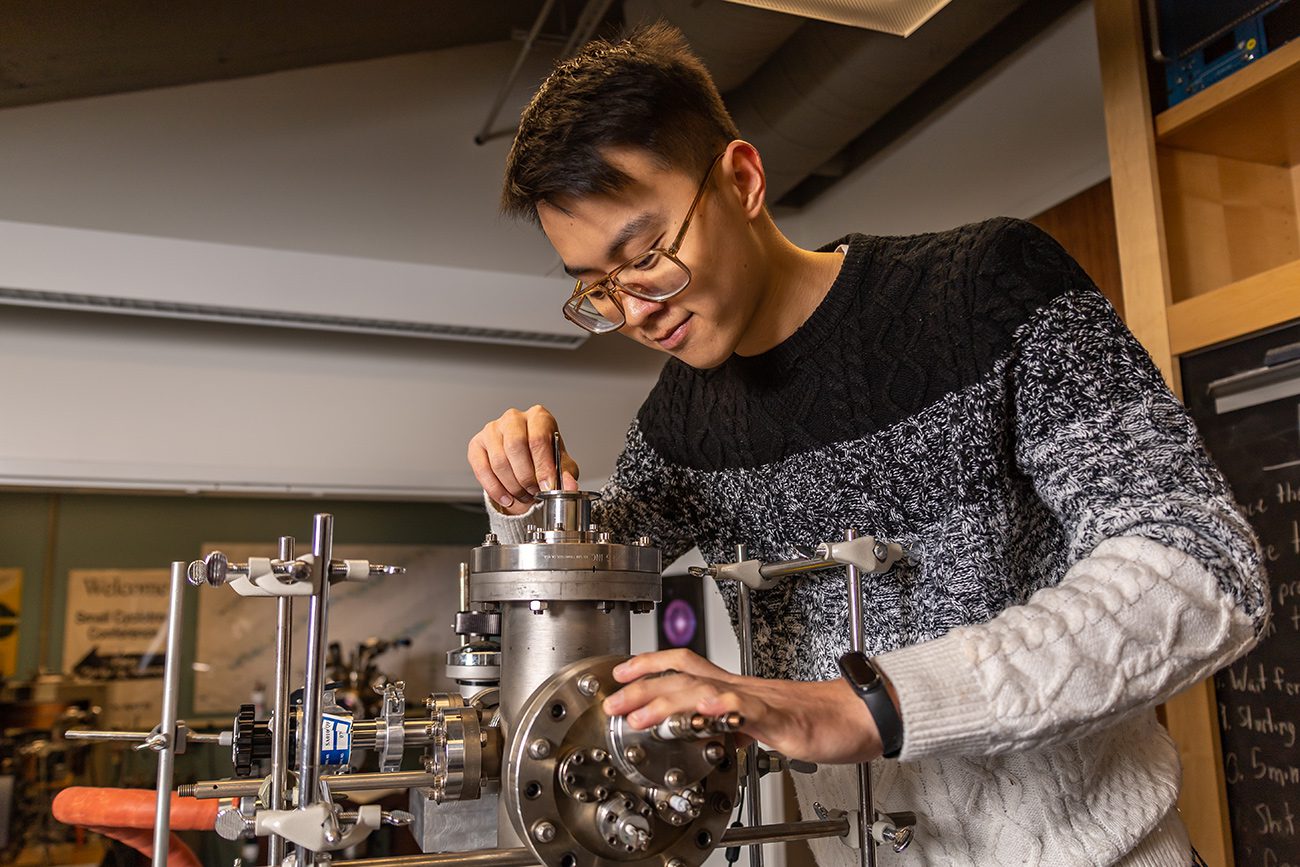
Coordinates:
743	168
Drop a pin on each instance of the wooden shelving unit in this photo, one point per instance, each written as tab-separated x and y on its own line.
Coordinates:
1207	195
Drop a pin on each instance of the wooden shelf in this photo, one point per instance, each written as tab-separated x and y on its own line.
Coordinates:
1258	302
1253	114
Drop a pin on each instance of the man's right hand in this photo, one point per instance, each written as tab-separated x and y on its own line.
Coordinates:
512	459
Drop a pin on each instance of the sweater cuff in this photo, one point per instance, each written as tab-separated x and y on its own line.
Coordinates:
510	528
940	702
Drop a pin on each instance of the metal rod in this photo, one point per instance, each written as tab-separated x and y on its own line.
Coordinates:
783	832
167	726
504	92
754	802
322	549
866	800
137	737
280	710
206	790
781	568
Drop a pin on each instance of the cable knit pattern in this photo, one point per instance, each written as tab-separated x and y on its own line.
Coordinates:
1073	554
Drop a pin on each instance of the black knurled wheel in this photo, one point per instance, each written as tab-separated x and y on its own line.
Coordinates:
242	750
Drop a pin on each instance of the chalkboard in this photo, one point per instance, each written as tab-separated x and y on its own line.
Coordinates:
1245	397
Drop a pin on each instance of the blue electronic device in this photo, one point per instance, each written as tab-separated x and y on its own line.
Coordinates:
1197	52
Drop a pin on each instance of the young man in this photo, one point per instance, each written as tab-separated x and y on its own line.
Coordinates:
1073	555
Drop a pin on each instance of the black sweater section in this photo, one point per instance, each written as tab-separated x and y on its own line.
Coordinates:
907	321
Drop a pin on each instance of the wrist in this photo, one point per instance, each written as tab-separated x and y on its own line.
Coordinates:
875	692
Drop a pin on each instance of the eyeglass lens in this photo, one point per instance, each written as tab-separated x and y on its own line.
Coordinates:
655	276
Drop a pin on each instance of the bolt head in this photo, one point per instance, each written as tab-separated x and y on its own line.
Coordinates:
539	749
715	752
645	541
634	754
674	777
491	539
588	684
537	606
543	831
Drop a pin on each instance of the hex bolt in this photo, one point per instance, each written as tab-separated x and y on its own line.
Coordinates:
543	831
674	777
597	754
605	606
645	542
538	606
880	551
491	539
539	749
588	684
634	754
715	752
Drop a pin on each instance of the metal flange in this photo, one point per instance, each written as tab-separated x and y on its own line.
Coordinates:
571	801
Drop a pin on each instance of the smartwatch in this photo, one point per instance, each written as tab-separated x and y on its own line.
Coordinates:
864	677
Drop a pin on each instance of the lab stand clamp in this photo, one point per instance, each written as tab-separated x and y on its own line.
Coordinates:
519	766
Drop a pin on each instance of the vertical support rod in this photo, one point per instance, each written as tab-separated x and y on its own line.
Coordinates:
755	799
866	800
167	726
322	549
280	711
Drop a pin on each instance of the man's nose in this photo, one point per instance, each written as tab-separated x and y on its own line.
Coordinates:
638	310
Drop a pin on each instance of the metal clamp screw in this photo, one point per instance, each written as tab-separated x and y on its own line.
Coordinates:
588	684
539	749
543	832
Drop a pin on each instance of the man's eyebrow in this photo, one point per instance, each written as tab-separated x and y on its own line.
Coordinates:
630	230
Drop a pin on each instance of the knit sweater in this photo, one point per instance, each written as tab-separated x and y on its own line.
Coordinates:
1073	555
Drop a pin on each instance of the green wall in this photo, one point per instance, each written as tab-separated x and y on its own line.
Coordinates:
47	534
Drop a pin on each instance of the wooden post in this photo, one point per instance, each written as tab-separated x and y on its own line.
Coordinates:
1139	219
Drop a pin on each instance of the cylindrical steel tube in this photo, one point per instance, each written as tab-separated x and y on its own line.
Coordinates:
167	727
209	789
754	807
535	646
784	832
137	737
276	845
416	733
322	549
781	568
866	800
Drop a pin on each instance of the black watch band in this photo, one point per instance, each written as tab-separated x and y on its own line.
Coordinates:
862	674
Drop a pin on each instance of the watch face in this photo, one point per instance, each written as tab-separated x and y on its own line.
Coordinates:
858	670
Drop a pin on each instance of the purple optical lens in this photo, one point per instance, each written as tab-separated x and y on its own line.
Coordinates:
679	623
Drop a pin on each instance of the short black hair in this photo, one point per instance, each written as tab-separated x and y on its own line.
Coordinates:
647	90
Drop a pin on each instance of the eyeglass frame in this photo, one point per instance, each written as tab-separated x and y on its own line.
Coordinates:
670	251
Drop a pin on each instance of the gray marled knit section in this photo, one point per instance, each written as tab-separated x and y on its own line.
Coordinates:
994	491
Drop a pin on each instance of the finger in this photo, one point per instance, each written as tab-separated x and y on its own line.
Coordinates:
541	445
487	477
515	444
641	692
650	700
677	659
501	467
570	479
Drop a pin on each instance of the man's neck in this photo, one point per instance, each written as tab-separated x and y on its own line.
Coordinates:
796	283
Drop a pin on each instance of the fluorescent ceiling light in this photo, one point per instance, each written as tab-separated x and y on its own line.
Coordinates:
899	17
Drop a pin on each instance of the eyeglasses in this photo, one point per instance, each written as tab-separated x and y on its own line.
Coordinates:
656	275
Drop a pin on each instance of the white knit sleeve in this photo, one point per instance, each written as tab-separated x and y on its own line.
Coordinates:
1128	626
